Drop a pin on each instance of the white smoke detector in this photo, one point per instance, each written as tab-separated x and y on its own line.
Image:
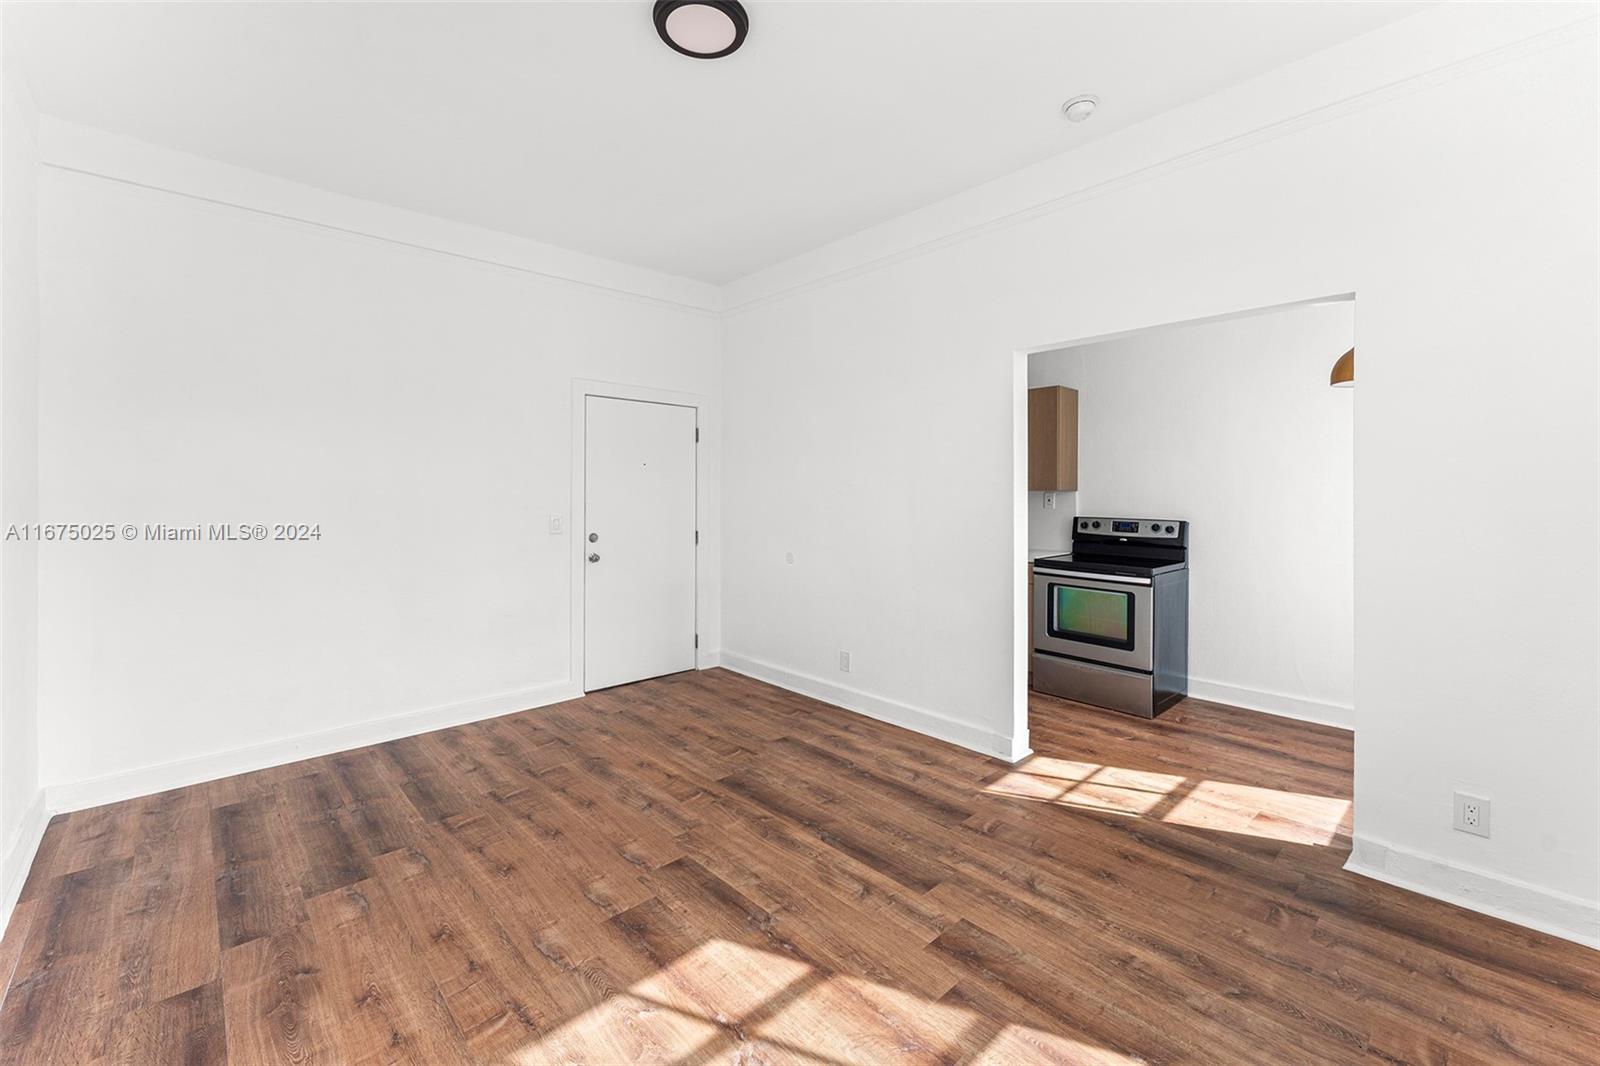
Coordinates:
1079	108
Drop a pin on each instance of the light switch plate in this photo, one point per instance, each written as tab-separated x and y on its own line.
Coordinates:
558	524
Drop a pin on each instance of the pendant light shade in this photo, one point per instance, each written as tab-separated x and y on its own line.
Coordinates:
1344	371
703	29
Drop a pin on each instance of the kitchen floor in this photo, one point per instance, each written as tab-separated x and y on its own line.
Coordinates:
705	868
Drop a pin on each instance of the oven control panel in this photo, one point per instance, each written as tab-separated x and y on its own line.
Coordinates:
1142	528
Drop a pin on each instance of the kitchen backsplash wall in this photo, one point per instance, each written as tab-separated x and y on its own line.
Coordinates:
1051	528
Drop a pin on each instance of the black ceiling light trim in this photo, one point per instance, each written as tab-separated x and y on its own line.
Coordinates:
731	8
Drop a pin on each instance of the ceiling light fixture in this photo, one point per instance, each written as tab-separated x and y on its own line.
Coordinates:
703	29
1079	108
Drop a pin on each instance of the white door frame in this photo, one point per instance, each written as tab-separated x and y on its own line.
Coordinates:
1022	639
582	389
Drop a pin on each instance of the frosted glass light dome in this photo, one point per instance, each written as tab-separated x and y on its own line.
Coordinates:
704	29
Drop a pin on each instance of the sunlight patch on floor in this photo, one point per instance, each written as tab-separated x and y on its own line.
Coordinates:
773	1008
1294	817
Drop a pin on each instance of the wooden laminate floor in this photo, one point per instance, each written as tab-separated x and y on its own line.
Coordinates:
707	869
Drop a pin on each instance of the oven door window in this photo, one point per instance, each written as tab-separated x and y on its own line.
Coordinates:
1095	616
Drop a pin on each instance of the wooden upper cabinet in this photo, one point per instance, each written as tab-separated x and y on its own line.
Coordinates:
1053	439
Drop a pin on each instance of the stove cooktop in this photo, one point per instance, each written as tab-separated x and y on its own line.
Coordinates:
1105	564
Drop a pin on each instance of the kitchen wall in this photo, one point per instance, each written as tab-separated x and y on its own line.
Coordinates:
217	363
1232	426
1443	170
21	803
1050	528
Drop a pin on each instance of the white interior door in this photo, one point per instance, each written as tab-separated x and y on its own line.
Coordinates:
639	540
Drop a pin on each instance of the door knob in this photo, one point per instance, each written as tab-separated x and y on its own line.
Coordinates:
593	537
594	557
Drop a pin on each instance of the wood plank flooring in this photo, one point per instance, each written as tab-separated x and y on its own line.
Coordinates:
707	869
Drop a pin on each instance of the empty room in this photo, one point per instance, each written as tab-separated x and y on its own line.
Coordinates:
799	532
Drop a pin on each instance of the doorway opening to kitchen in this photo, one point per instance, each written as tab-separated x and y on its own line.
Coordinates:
1189	563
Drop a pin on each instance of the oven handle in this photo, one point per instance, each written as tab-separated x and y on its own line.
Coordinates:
1080	576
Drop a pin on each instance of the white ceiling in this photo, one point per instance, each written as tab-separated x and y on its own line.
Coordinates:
571	123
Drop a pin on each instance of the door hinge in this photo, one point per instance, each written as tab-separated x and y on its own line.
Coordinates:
697	536
697	434
697	640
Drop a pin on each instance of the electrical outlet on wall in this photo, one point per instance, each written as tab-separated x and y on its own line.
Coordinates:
1049	501
844	661
1472	814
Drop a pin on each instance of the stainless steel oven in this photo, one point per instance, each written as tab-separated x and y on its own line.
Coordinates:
1111	619
1100	617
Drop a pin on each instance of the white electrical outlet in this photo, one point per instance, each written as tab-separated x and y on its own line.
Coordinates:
1049	501
844	661
1472	814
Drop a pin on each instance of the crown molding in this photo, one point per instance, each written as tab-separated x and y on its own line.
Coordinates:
74	148
1407	57
1410	56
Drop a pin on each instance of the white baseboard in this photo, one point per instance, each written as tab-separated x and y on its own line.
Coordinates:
1556	913
916	719
1279	703
20	850
148	780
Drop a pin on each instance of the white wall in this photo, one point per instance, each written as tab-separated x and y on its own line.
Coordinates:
1444	172
206	363
1050	528
1232	426
21	807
